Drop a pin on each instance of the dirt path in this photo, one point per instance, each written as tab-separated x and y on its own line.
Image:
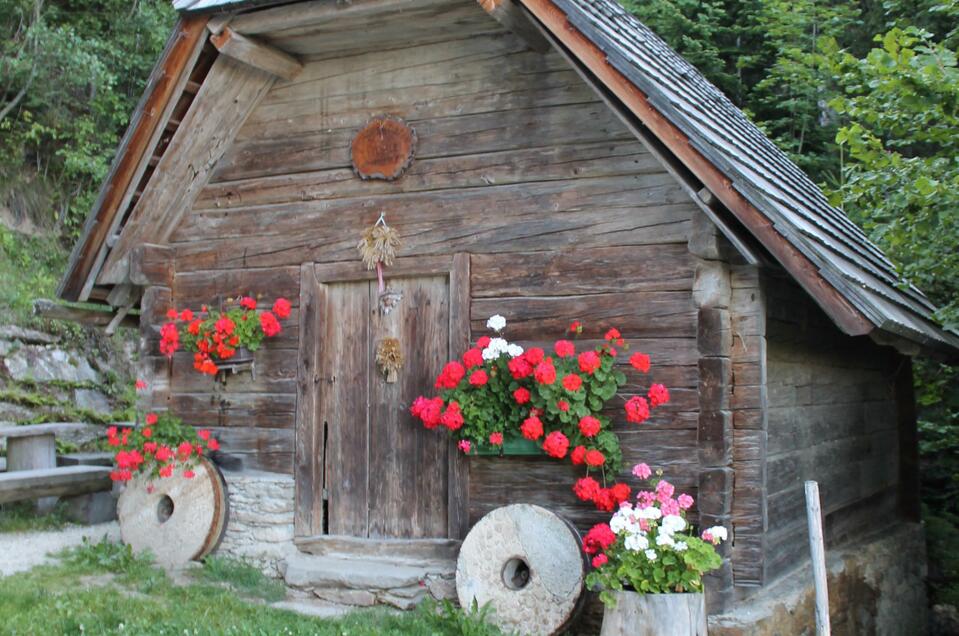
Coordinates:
21	551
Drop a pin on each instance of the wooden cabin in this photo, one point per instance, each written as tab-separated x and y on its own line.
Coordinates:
560	162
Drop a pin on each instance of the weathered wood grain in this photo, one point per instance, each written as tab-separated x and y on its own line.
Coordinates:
257	54
310	431
53	482
460	292
229	93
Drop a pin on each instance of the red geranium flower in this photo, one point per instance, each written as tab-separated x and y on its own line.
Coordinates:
451	375
465	446
148	433
620	492
521	395
282	308
598	539
604	500
171	314
595	458
586	488
151	419
572	382
600	560
496	439
640	361
140	385
562	405
589	361
545	372
612	334
575	327
203	434
556	444
637	409
519	367
478	378
248	302
658	395
589	426
452	418
164	453
189	474
534	355
269	324
225	325
473	358
483	342
167	471
532	428
213	445
578	456
564	348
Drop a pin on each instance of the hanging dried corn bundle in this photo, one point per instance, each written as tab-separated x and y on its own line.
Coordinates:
378	248
389	357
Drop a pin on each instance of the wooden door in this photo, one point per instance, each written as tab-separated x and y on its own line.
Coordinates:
374	471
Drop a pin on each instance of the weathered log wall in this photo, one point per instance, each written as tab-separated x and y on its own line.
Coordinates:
565	214
832	417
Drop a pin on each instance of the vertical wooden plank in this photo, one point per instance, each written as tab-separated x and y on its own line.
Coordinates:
909	506
345	354
408	464
306	520
459	338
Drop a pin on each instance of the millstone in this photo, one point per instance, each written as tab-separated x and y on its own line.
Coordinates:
528	564
180	520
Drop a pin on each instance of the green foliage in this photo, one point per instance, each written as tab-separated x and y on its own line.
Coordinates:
29	268
70	76
242	577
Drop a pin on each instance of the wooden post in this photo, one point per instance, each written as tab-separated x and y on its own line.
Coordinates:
34	452
818	550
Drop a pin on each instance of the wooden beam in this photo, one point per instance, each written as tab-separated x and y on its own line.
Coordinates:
845	314
83	315
229	94
166	81
51	482
256	54
151	265
514	19
302	16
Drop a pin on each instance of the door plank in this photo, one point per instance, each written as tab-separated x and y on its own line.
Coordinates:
345	356
308	519
459	334
408	464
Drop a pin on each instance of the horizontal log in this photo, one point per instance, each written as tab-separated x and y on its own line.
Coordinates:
53	482
55	428
325	148
522	165
193	289
635	314
257	54
666	267
86	315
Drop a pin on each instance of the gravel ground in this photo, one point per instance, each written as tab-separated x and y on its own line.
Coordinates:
21	551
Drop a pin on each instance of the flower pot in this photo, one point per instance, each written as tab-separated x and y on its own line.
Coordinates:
655	615
242	360
516	446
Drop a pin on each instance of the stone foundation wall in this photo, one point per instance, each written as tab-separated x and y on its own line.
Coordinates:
260	529
876	586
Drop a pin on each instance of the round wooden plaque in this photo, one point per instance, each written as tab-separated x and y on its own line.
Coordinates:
178	519
383	149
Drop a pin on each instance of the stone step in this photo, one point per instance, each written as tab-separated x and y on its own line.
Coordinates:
316	609
310	571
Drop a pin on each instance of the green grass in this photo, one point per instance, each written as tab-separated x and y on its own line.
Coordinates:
102	588
241	577
22	517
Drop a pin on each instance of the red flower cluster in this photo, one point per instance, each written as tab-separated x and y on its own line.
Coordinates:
217	336
498	389
598	539
139	453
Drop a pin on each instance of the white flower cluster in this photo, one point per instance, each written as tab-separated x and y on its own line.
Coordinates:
499	346
637	526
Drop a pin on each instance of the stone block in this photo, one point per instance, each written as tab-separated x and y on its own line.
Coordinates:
359	598
93	508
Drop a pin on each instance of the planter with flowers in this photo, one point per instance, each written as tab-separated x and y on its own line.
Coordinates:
649	563
556	403
223	340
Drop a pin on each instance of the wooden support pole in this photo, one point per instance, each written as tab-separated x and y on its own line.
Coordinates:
818	551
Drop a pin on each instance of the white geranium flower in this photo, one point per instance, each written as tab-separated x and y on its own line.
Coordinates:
650	512
514	350
651	554
496	323
665	540
619	523
718	532
673	523
636	542
680	546
496	348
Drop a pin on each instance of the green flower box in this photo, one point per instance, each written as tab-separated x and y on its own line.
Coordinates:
516	446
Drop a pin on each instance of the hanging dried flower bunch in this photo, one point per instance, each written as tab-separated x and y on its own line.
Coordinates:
378	247
389	357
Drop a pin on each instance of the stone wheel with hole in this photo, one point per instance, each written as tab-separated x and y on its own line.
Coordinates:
178	519
527	563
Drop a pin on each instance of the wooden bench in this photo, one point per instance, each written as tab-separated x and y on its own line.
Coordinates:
32	473
53	482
